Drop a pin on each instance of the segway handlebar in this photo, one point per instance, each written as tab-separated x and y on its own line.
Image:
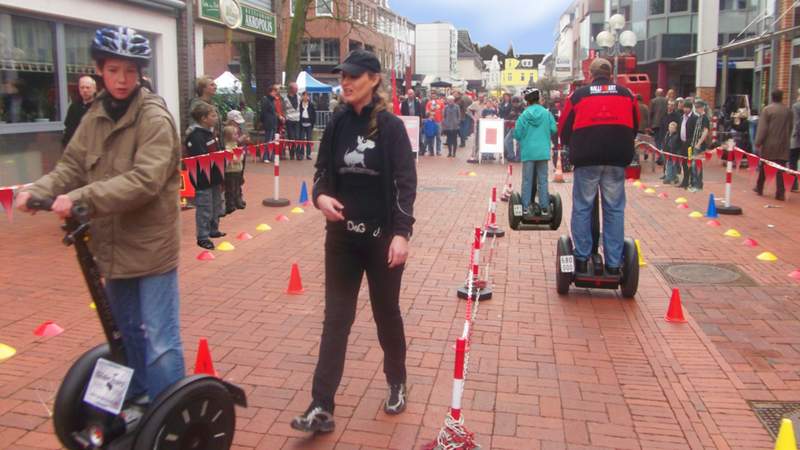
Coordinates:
76	225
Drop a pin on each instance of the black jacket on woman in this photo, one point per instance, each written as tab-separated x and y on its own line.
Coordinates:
399	174
312	112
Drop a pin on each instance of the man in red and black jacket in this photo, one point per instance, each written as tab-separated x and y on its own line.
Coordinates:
599	123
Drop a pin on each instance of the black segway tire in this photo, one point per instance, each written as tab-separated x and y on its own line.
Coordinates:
194	413
514	201
555	206
69	411
629	283
563	279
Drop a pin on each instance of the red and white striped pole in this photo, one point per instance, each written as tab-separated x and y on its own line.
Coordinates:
727	208
276	199
467	292
458	379
714	128
492	230
507	185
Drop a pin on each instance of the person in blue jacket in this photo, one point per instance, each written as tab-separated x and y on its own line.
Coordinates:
533	130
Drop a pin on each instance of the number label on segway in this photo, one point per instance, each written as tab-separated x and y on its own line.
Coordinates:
108	386
518	210
567	264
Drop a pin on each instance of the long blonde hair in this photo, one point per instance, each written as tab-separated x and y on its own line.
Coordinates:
380	103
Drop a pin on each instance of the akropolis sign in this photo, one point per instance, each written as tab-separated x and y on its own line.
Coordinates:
235	15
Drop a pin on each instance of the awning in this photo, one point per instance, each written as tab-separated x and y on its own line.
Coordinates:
307	83
228	83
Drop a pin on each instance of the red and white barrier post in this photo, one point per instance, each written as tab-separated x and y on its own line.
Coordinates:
492	230
276	200
473	283
507	185
714	130
727	208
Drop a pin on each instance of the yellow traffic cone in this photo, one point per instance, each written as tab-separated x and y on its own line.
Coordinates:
642	262
786	440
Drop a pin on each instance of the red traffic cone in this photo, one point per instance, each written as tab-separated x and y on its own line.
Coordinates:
48	328
295	284
281	218
244	236
205	255
752	243
203	363
675	311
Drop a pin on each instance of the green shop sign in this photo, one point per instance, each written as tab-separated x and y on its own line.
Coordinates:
233	14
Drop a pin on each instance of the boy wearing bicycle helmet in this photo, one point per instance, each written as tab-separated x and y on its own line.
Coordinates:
123	163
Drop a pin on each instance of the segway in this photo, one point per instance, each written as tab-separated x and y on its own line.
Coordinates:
519	220
597	276
90	410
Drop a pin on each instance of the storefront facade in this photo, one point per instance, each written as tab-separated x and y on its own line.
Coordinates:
44	49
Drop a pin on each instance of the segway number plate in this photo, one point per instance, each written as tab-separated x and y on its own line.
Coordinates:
108	386
567	263
518	210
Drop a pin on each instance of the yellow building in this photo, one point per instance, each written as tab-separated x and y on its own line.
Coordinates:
518	73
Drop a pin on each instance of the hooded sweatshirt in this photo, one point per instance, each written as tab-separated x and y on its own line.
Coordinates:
533	131
201	141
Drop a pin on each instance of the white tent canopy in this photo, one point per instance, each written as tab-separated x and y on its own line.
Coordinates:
307	83
229	83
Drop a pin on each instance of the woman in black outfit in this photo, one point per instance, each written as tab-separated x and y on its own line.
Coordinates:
365	185
308	116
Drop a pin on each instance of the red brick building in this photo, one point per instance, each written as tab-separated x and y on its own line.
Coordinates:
335	27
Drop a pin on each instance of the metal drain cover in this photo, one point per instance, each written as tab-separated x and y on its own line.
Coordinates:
435	189
698	273
771	413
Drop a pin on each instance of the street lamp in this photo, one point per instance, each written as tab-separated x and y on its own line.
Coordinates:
615	41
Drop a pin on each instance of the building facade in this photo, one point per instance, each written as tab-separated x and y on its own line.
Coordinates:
519	72
44	49
470	65
437	51
336	27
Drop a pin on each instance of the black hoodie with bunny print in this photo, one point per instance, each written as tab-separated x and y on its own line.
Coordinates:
374	177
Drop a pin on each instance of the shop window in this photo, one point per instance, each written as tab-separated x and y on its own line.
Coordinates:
678	5
78	57
29	87
316	51
657	7
324	7
330	49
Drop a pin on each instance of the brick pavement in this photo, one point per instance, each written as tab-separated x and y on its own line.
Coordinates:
590	370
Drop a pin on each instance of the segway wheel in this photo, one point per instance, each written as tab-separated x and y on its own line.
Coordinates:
630	269
564	259
69	411
515	211
555	206
195	413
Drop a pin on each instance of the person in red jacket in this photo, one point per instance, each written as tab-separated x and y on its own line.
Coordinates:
599	123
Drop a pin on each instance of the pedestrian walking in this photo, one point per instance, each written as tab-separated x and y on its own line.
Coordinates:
773	137
365	186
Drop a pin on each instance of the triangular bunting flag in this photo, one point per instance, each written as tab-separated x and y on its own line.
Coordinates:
218	158
228	155
191	167
720	152
699	164
708	156
6	199
737	157
251	149
788	180
752	162
770	171
205	164
237	152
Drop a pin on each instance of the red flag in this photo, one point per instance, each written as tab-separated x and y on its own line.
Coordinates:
6	198
219	160
395	101
708	155
720	152
251	149
699	164
752	162
191	167
770	171
228	155
788	180
237	152
205	164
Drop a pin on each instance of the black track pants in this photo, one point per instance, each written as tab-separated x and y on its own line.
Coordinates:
347	256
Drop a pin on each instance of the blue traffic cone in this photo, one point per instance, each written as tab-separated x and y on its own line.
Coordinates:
303	194
711	212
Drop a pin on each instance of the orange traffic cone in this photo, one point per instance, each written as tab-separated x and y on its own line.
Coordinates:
203	363
675	311
295	284
559	176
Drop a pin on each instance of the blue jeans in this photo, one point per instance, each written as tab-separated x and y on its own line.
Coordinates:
611	181
528	168
208	208
670	172
145	310
464	129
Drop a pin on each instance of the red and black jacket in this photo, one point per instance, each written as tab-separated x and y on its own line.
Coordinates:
599	124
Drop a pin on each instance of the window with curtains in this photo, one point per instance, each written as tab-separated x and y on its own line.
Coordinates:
78	57
28	76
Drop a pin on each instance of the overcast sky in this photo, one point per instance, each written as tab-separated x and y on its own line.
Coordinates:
529	24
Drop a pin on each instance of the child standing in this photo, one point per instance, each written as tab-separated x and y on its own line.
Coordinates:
208	194
234	170
534	130
672	147
430	129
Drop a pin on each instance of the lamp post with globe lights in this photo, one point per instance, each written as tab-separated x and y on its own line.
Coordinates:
615	41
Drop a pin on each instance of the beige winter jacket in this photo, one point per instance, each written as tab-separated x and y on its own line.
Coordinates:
128	173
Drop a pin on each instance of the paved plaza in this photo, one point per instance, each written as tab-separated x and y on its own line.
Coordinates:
586	371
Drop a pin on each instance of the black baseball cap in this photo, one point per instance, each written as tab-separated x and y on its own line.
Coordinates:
358	62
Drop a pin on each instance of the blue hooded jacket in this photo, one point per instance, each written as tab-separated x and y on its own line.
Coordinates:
533	130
